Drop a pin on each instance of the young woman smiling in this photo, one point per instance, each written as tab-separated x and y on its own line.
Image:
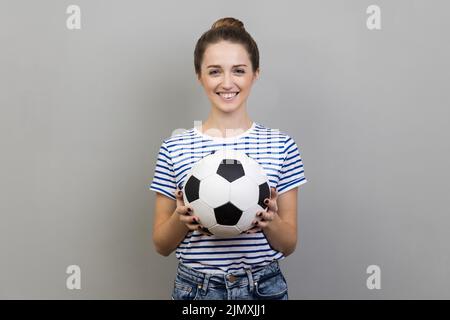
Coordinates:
226	61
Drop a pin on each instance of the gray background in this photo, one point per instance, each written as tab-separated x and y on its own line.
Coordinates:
83	113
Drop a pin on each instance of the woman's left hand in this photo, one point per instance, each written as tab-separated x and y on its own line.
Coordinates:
263	218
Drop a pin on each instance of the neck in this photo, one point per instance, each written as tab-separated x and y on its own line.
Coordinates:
220	124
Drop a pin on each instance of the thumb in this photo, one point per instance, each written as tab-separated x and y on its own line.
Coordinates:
183	210
179	197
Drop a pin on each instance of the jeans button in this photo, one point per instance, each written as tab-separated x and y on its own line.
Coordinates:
231	278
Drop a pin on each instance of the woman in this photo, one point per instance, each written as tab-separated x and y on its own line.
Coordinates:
226	60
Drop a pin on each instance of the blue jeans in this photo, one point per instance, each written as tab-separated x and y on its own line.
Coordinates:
264	283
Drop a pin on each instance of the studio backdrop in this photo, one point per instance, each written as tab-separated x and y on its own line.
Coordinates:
89	90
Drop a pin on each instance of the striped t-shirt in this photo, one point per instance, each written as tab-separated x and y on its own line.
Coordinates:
279	156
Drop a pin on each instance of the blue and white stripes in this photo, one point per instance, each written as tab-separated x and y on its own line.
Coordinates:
280	158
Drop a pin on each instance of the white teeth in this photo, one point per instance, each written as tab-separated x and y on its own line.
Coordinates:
228	96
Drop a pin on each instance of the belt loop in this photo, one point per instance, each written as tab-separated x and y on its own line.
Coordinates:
250	279
205	282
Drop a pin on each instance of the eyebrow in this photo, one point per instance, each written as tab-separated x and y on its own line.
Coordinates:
217	66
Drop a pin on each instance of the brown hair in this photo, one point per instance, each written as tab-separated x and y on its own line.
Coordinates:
229	29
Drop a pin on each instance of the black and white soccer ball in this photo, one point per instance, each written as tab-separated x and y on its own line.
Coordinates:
226	190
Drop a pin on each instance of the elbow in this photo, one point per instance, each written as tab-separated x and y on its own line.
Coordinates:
288	252
162	250
290	249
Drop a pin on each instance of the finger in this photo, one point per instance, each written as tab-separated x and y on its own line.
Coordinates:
192	226
272	202
204	230
271	205
193	221
265	216
184	210
260	224
253	230
179	197
274	193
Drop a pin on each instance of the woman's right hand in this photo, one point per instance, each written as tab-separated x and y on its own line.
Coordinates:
187	216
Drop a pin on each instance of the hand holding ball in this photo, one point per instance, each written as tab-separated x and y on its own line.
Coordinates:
226	189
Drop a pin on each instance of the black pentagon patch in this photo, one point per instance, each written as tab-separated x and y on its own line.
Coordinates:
264	193
227	214
191	188
230	169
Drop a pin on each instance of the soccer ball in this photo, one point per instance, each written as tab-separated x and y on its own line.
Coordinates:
226	189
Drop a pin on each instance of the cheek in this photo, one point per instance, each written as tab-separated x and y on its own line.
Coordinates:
210	89
208	83
246	84
245	89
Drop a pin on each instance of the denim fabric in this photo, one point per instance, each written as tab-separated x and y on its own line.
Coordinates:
267	282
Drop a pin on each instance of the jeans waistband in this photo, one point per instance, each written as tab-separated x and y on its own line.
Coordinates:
243	278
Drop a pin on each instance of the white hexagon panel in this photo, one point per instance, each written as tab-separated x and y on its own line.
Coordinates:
212	160
214	191
248	216
255	171
225	231
204	212
203	170
244	192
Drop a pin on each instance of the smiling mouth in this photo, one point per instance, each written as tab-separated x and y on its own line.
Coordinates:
227	95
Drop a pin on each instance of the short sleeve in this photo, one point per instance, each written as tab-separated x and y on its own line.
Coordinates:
292	173
164	178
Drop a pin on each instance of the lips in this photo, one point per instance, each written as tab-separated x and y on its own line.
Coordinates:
228	96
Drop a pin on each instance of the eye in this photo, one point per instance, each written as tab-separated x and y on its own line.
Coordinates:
240	71
212	72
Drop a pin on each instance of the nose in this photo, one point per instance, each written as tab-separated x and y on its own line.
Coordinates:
227	83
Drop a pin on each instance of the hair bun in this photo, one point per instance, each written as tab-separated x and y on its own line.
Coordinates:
228	22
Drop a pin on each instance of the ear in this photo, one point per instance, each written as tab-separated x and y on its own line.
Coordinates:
256	75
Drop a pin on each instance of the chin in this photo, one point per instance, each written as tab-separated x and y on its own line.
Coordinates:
228	108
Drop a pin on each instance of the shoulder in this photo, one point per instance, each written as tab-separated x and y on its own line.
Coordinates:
178	137
279	134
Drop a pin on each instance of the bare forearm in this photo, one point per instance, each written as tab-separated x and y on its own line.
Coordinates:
168	235
281	235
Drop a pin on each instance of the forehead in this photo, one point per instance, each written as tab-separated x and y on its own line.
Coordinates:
225	53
